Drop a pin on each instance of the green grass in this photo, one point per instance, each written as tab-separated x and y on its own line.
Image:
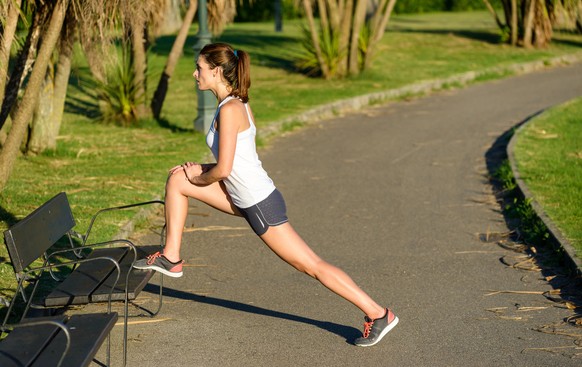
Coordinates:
548	153
106	165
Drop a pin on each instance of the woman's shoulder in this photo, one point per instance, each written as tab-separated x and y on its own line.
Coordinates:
233	106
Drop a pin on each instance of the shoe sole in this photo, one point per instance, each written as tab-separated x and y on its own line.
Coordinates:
161	270
383	333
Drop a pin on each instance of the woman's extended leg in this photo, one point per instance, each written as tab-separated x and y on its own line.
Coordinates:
290	247
178	189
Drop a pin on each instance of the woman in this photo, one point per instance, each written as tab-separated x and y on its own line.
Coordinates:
238	185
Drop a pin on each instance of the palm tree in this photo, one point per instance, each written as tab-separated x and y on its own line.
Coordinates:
347	36
527	23
23	111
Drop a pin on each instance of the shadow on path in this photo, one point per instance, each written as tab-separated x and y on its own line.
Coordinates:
347	332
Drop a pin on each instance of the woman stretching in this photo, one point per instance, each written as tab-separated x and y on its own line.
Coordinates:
238	185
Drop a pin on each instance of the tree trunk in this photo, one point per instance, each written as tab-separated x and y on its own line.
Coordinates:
40	127
344	37
528	23
139	63
378	30
514	27
51	105
22	66
25	109
315	38
358	23
493	13
6	42
177	47
542	25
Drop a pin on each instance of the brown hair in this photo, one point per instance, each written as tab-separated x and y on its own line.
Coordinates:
235	66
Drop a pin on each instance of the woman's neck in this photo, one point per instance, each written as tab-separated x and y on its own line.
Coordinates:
221	94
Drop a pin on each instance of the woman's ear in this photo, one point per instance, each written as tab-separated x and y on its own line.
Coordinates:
218	72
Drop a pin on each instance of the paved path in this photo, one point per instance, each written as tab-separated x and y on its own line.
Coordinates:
396	196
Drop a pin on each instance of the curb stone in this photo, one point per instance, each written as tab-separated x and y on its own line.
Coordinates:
555	233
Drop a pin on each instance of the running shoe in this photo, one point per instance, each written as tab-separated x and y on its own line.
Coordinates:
158	262
375	330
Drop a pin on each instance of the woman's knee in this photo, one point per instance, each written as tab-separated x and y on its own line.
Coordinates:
312	267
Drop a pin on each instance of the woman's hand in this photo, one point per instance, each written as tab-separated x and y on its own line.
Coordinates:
191	170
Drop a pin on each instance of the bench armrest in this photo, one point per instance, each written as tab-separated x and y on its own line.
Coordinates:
84	237
120	243
56	323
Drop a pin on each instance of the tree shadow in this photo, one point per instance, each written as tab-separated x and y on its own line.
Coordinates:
567	42
249	40
81	98
7	217
347	332
481	36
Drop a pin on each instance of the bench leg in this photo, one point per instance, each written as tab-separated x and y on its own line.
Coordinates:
151	314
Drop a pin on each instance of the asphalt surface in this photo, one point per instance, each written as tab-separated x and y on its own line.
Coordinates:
398	197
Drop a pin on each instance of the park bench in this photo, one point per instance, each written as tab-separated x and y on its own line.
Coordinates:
73	272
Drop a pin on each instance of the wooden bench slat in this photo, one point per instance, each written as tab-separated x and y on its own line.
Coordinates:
87	334
137	279
22	346
80	284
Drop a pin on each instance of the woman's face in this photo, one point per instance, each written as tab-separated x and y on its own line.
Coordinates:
205	77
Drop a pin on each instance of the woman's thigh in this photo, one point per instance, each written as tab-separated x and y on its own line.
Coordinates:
214	194
284	241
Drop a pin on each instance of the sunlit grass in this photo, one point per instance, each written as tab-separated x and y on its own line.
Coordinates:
548	152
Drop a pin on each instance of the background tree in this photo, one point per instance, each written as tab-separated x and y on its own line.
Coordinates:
345	38
23	110
525	23
173	57
171	21
48	113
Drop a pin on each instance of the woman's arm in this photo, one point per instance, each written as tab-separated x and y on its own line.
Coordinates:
231	118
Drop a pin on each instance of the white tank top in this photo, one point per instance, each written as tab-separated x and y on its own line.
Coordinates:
248	183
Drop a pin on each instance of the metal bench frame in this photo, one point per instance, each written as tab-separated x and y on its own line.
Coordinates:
47	225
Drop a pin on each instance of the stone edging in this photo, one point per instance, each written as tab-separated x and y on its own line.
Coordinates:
555	233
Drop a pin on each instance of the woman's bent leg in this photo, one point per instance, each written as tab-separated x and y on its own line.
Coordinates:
178	189
290	247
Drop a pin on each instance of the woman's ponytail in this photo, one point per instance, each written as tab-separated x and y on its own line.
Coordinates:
243	75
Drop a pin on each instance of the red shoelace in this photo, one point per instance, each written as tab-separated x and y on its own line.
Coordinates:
367	328
153	257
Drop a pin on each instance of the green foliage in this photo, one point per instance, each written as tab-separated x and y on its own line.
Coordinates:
118	95
264	10
505	176
329	43
531	228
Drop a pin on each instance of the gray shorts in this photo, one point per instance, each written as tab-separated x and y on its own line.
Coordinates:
269	212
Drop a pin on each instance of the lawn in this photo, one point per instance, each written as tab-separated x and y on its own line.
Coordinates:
548	154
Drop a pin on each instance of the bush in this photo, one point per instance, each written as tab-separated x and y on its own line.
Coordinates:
264	10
